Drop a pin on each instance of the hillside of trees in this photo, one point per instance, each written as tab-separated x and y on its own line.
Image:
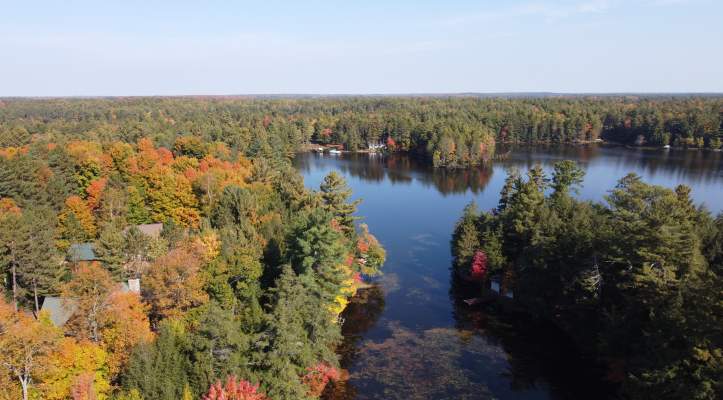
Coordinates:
240	291
449	132
635	281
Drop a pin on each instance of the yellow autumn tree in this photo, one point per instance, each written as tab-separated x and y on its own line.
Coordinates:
171	196
71	362
25	345
76	221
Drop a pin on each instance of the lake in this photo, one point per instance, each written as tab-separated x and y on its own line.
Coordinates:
410	336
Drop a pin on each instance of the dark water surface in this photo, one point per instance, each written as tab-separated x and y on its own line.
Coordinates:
410	336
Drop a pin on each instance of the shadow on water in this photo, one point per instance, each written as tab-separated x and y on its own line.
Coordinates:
538	353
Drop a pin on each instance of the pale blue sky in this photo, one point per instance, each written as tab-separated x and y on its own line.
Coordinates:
151	47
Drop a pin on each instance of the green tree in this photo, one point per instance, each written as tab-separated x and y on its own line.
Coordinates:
110	249
336	194
465	239
158	370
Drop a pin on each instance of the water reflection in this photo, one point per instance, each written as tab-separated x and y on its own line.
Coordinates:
605	165
537	354
400	169
360	315
691	166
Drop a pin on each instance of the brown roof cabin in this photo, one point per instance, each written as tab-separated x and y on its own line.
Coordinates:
151	230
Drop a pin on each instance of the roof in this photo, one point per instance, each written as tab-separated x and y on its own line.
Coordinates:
60	309
81	252
152	230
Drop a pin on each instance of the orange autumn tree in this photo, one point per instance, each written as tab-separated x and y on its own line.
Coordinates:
94	192
25	345
8	206
173	283
124	325
89	288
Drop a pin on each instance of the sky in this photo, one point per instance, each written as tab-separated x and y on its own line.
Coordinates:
153	47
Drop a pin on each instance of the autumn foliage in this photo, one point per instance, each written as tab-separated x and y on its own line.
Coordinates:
233	389
318	377
173	284
478	269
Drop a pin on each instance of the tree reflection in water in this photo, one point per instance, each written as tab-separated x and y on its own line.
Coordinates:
360	315
536	352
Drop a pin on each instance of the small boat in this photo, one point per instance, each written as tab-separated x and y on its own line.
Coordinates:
667	146
334	151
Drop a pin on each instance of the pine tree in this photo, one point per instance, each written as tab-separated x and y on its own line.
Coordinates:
28	256
567	176
465	239
513	175
317	250
158	370
336	194
137	211
110	249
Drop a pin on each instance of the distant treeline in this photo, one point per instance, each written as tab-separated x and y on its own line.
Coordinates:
449	131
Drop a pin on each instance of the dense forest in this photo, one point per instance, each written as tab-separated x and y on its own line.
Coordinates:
448	131
137	271
635	282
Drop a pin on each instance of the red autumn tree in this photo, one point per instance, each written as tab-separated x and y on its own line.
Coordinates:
318	377
479	266
234	389
391	144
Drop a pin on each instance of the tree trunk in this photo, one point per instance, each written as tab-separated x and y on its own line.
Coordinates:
15	288
24	384
35	294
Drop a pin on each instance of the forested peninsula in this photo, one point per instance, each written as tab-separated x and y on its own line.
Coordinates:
451	131
137	271
635	281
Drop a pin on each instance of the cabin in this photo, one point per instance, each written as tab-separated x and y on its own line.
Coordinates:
150	230
61	309
82	252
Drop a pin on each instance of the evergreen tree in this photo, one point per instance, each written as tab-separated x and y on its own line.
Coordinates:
465	239
317	250
137	211
336	196
218	347
110	249
566	176
28	256
158	370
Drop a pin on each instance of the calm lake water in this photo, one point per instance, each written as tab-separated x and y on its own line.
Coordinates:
410	336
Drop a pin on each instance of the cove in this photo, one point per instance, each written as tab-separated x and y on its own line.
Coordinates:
409	336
